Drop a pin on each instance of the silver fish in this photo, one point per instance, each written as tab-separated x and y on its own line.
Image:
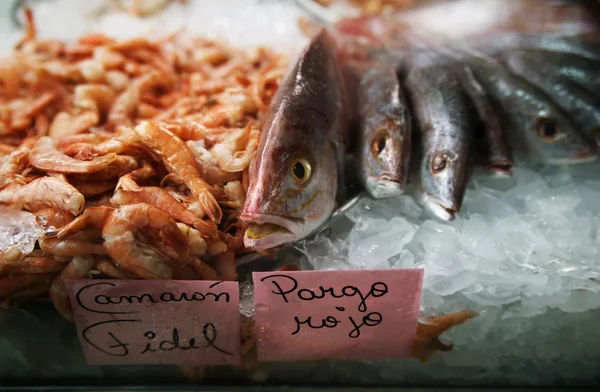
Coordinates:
580	70
294	177
384	124
446	135
497	155
579	103
549	135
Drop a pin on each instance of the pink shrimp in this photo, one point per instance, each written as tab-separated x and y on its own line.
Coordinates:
178	159
119	233
45	156
93	217
78	268
42	193
128	192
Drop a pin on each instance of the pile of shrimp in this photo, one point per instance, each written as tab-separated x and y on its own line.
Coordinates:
133	156
373	7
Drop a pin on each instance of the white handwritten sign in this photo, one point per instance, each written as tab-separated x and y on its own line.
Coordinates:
122	322
313	315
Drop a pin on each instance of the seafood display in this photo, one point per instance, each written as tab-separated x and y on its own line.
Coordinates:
131	156
514	83
167	159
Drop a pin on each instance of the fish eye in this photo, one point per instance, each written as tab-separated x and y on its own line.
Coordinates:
301	170
440	163
547	129
378	145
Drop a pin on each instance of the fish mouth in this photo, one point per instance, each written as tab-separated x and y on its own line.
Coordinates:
384	186
582	157
442	212
267	231
501	169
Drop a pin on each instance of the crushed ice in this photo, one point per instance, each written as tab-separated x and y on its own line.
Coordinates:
18	229
522	244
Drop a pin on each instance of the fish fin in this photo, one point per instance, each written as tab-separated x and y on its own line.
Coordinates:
210	206
427	342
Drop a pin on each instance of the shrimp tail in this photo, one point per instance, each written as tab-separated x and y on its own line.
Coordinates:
209	229
210	206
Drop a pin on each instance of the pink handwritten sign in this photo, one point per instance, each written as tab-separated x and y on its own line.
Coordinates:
314	315
127	322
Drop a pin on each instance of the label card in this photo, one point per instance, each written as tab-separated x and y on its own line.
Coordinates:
315	315
135	322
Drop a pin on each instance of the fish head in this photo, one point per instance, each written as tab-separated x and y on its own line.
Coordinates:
556	139
385	158
291	193
444	172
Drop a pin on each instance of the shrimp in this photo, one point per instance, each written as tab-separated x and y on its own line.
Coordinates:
216	247
188	129
31	265
105	267
143	173
93	217
194	239
236	195
12	283
42	193
128	192
22	117
203	269
117	80
234	105
78	268
70	247
51	218
91	102
207	165
235	240
235	153
124	107
120	166
64	142
225	265
189	202
124	140
119	233
13	164
178	159
46	157
91	189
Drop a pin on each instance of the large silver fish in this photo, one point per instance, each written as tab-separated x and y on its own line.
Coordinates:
384	125
446	134
294	177
545	132
581	104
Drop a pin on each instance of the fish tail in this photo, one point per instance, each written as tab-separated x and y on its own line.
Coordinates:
427	341
425	350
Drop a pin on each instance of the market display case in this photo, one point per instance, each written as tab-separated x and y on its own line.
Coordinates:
176	213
